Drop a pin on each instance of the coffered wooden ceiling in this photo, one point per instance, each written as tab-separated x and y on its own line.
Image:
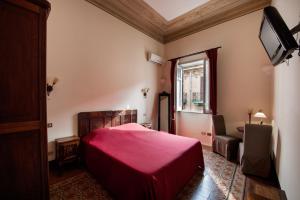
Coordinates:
143	17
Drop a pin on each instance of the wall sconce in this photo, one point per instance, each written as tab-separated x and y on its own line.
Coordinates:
50	86
145	92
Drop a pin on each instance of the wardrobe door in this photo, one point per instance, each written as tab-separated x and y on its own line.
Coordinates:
23	136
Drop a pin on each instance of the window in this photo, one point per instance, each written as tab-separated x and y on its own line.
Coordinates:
192	93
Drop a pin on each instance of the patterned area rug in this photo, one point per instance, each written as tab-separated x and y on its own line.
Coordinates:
220	180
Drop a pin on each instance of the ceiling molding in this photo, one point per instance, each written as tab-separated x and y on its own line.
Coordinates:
129	11
144	18
210	14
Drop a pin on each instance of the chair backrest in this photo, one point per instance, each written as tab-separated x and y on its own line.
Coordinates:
219	124
257	140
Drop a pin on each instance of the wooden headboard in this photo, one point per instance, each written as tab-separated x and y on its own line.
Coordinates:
88	121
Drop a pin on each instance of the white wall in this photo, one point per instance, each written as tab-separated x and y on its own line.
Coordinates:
101	65
287	109
244	73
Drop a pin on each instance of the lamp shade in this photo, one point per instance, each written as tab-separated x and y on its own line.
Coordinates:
260	114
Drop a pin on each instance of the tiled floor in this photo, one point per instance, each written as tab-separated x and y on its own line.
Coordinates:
255	189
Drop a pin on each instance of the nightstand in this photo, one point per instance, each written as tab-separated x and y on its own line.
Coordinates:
147	125
67	150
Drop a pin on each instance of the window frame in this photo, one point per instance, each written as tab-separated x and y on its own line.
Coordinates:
205	94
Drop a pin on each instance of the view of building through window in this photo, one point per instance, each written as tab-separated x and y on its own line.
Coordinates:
193	89
192	95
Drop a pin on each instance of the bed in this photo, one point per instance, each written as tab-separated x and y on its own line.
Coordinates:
133	162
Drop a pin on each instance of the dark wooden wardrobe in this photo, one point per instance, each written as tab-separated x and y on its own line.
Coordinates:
23	132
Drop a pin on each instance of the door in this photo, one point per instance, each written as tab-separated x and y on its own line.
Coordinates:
23	136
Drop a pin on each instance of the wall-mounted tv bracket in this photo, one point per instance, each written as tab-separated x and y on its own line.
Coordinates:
295	30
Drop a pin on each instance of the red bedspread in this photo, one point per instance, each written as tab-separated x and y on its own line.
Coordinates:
133	162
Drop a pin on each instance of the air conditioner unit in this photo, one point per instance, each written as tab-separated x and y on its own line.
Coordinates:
155	58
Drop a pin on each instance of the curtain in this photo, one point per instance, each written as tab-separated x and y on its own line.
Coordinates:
172	100
212	55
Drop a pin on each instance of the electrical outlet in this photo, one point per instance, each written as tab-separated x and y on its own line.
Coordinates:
49	125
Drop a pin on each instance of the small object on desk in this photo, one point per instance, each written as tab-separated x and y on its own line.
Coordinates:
250	112
147	125
66	150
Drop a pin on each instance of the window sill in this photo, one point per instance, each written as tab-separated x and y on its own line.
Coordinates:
193	112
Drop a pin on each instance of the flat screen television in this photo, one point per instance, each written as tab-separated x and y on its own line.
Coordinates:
276	37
